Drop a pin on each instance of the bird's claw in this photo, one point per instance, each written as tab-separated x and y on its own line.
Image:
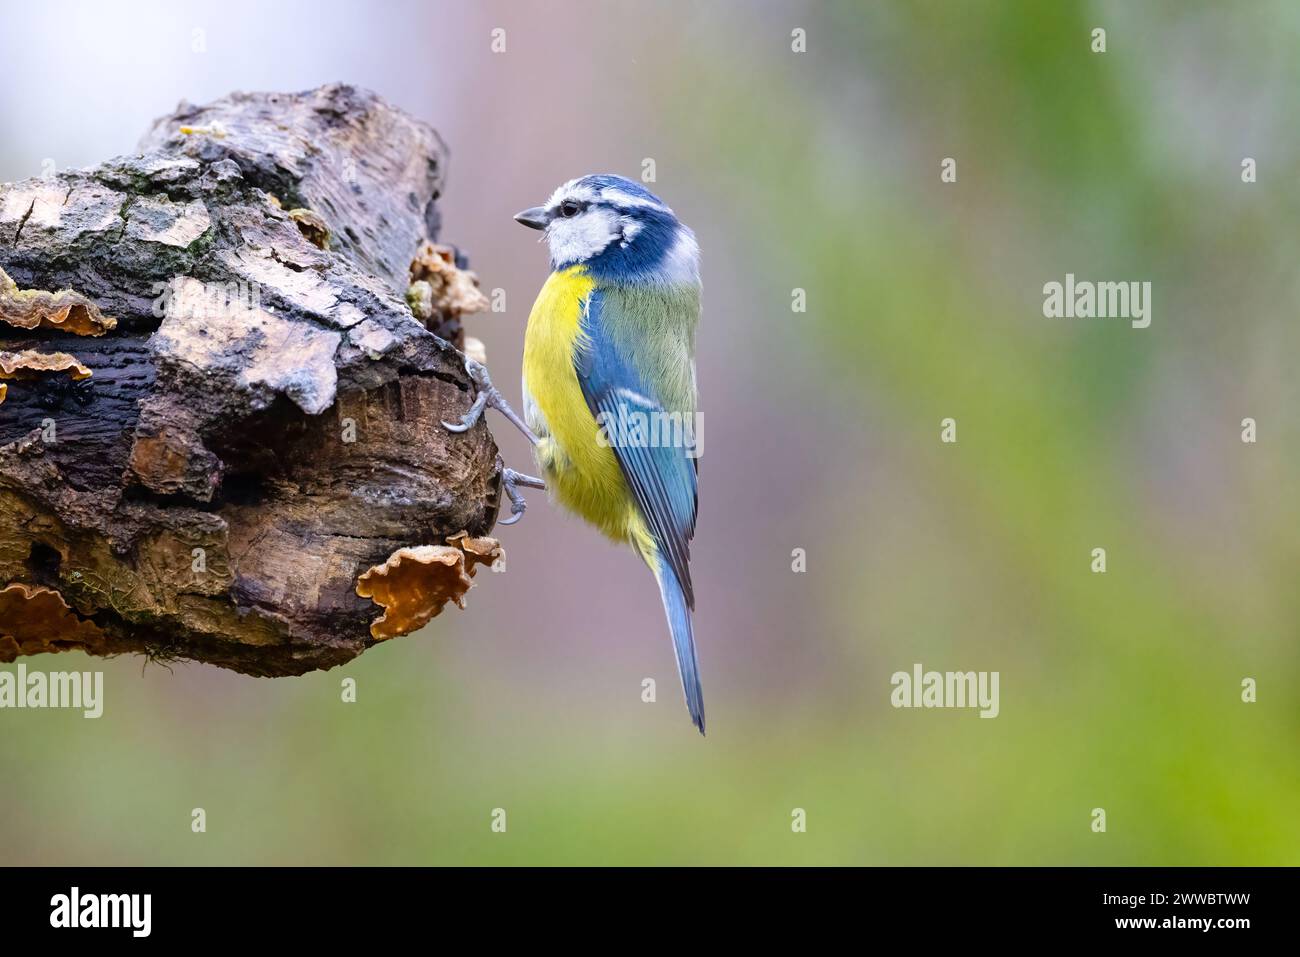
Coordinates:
468	419
487	396
487	393
511	480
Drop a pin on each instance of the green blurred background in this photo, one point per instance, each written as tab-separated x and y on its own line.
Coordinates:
817	170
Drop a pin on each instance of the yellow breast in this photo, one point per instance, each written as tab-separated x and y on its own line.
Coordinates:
581	473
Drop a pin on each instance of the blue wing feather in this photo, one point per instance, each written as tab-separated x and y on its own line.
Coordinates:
662	476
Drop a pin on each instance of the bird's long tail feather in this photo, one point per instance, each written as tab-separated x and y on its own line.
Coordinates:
679	622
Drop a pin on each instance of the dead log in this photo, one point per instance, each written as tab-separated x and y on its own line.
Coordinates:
259	425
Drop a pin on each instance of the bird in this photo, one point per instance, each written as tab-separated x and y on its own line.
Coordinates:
609	384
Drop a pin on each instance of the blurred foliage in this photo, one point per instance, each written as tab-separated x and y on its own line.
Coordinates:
927	303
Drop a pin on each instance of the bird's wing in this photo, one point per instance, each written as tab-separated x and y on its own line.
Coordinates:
662	475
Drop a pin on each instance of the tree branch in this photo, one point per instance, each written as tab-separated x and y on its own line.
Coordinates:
261	425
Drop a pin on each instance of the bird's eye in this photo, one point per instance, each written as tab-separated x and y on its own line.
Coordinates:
570	208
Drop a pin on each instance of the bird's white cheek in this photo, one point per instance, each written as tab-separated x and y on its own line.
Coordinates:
580	238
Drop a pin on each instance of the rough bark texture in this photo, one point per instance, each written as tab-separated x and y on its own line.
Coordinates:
262	421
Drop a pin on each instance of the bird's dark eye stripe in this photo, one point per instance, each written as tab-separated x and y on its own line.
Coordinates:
571	207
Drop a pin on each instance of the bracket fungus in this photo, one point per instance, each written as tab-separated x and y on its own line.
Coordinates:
442	291
32	365
35	309
35	620
415	584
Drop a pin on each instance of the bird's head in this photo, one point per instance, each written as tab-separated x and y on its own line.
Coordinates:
616	228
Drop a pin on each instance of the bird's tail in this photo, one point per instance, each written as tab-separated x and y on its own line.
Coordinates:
679	622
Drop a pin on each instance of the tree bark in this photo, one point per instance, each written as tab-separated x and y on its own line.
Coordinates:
261	420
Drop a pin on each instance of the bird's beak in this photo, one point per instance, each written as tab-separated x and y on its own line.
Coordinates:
535	218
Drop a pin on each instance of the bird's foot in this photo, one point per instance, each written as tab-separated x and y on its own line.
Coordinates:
488	395
512	480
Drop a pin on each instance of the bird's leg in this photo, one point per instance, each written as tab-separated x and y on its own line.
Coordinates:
512	480
487	396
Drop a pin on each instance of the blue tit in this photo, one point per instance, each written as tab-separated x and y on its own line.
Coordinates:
609	383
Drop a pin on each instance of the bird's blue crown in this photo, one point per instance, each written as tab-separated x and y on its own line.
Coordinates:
618	230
